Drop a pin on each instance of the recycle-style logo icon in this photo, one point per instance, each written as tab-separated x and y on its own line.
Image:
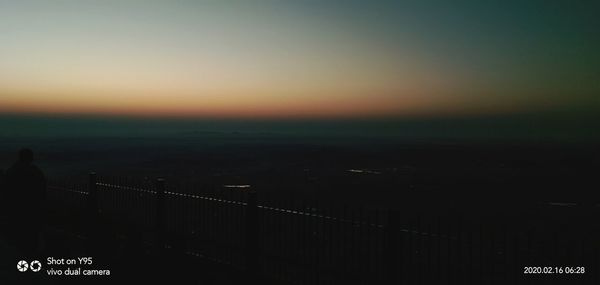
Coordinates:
22	266
35	266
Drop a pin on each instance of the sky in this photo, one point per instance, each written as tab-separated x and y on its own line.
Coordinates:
298	59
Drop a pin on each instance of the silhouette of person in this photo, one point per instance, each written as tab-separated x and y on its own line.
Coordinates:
25	193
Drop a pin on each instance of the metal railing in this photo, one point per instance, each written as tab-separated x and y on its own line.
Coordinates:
303	242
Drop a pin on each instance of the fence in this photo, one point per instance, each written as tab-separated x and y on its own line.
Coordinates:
302	242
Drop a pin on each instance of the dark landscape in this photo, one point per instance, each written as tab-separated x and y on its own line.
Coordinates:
299	142
531	197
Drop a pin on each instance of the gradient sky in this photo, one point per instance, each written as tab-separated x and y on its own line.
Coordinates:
278	59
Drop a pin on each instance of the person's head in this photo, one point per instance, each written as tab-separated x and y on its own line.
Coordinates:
26	155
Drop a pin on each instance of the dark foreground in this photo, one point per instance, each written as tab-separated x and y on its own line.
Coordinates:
115	258
361	211
225	236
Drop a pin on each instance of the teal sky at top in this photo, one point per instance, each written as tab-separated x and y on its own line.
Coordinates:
258	57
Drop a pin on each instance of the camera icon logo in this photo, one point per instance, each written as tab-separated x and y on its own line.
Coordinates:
22	266
35	266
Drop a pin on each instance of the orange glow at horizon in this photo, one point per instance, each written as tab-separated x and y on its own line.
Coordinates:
241	106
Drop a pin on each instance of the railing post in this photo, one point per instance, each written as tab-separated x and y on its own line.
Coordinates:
391	245
252	234
160	214
92	199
